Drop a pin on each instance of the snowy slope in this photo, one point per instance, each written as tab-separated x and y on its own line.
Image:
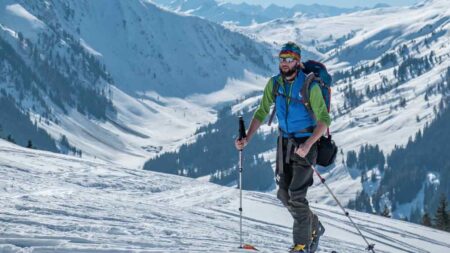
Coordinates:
56	203
147	125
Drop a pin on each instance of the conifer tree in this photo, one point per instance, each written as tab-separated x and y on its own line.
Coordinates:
426	220
386	212
441	217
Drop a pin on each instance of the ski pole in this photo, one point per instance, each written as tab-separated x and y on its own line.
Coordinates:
370	247
241	136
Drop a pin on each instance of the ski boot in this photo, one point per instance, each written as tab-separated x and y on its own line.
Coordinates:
316	234
299	248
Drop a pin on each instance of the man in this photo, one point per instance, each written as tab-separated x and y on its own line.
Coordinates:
297	149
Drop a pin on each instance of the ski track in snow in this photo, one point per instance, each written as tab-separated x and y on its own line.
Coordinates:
57	203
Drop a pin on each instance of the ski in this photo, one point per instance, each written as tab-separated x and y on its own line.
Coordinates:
248	247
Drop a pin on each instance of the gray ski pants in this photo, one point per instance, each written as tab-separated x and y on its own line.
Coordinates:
294	176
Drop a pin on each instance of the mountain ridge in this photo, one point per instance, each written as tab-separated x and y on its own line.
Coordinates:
244	14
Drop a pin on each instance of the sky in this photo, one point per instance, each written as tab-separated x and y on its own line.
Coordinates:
339	3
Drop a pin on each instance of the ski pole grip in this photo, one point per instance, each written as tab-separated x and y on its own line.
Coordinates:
241	128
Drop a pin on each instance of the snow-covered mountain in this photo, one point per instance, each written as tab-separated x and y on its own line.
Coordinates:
244	14
58	203
373	31
111	79
389	67
142	46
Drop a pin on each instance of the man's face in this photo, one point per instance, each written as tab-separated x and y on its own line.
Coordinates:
288	65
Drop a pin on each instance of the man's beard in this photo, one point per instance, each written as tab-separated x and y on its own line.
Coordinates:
289	73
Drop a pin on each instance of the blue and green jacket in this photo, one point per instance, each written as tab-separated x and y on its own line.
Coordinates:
292	114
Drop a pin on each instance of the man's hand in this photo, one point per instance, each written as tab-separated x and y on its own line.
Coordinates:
240	144
303	149
254	125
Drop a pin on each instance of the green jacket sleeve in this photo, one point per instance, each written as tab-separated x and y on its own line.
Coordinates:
318	105
266	102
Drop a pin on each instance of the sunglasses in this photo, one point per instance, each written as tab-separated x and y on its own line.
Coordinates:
287	59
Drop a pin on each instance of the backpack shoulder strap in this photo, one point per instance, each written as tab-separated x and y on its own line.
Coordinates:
306	90
275	87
